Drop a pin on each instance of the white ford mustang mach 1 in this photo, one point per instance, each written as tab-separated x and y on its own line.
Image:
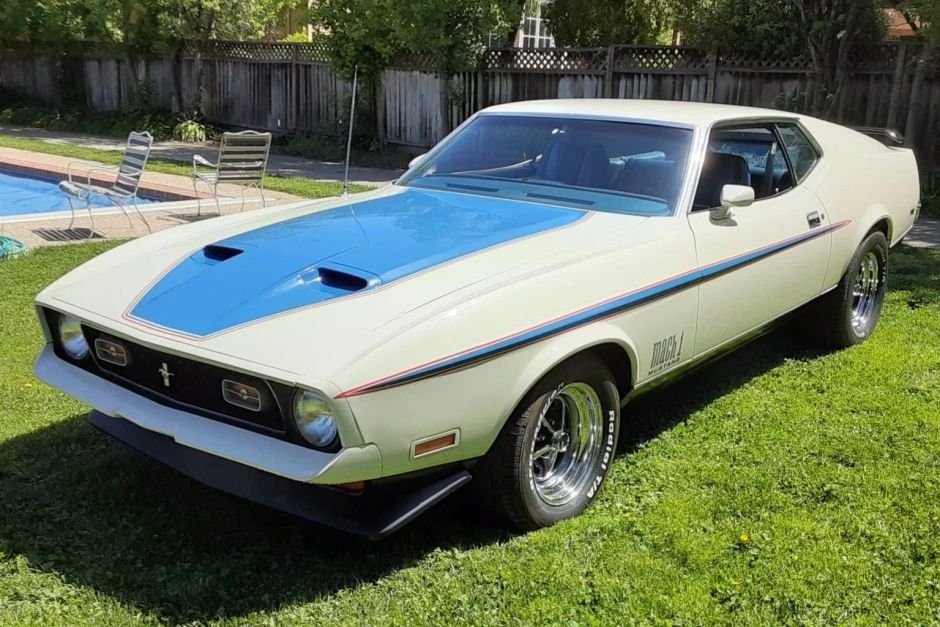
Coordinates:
486	318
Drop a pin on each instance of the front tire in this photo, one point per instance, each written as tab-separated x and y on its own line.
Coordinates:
554	452
851	311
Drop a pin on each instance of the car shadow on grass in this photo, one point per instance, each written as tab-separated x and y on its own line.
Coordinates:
651	414
97	513
74	503
913	272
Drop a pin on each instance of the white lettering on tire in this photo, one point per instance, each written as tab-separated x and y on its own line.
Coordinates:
608	455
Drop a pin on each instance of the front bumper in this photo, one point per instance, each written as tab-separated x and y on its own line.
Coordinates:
374	514
285	459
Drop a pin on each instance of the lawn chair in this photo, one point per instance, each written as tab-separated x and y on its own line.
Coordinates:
243	158
123	193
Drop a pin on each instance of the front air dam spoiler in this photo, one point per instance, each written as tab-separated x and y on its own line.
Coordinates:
374	514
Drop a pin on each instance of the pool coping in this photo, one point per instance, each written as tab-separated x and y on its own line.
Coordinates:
149	189
164	197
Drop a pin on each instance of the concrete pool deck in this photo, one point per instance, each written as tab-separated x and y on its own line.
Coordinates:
281	165
49	229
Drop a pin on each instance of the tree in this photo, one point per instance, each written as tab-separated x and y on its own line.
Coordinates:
138	23
200	21
923	16
51	23
608	22
823	31
748	27
141	26
370	33
830	29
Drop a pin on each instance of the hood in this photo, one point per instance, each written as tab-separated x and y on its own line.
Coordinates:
334	253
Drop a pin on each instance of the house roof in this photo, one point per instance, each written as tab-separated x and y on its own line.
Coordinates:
898	26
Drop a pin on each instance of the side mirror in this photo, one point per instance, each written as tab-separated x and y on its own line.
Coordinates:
417	160
732	196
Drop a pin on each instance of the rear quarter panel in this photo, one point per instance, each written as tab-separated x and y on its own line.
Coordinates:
861	180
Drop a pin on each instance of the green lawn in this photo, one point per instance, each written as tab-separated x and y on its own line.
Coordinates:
307	188
778	485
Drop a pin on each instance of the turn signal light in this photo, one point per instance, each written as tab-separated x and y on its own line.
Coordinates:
241	395
111	352
353	486
434	444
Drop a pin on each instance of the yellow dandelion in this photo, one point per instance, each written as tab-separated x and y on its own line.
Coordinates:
744	538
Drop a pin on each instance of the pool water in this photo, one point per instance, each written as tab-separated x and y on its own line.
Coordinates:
26	195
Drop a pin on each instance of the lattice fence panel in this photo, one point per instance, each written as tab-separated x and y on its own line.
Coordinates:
416	61
873	58
767	63
313	52
571	60
659	58
260	51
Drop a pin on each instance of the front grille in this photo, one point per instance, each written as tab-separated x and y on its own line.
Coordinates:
194	385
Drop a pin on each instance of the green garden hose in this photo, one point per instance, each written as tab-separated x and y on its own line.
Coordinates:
10	247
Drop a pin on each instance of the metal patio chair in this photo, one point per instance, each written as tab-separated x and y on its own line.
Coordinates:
243	158
123	193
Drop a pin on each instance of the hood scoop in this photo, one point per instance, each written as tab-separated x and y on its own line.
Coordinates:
215	253
342	280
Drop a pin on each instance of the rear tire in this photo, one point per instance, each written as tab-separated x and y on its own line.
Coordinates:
552	456
850	312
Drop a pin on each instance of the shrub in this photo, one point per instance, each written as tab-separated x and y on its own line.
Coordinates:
300	37
930	194
160	123
316	147
190	131
365	151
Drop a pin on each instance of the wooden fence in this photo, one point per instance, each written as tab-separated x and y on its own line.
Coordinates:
293	88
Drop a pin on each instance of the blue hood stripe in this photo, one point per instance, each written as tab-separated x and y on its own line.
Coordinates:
281	268
587	315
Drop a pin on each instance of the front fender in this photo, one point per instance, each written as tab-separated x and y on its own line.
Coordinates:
559	349
476	400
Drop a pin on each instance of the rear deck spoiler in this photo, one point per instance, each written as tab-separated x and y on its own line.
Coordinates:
887	136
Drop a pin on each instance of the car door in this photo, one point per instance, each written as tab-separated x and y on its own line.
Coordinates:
764	259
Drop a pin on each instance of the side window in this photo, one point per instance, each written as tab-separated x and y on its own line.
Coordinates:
803	155
742	156
754	144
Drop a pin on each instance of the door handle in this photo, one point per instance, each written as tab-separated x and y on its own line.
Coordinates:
814	219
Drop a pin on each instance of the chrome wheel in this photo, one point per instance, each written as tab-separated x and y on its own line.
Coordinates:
567	444
865	292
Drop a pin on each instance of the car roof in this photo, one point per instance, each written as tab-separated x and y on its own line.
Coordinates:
667	111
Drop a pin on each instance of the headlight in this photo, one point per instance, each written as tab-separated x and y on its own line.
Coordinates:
313	415
71	337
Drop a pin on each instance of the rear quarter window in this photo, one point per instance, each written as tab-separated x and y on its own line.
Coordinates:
803	154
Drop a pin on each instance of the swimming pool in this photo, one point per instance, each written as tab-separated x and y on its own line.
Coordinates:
27	195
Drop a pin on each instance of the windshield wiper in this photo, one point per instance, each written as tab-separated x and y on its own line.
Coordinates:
473	188
567	199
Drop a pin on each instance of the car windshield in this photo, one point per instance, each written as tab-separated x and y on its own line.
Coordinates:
619	167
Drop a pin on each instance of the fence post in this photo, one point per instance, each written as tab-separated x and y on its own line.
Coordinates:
712	66
443	86
897	79
379	95
609	77
483	90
